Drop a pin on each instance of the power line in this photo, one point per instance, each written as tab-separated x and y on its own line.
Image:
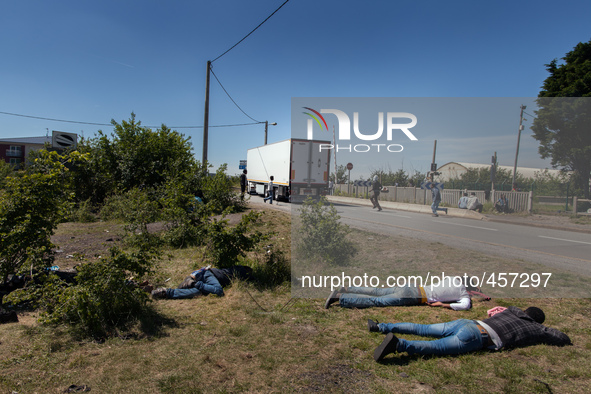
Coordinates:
110	124
244	38
54	120
228	94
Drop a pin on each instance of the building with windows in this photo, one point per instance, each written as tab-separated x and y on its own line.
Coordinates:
15	150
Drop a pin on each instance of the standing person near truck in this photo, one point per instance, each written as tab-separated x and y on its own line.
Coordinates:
376	186
243	183
270	190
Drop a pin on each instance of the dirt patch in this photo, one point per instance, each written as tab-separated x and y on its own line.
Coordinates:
85	240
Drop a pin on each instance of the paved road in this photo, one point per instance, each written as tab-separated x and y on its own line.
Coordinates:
559	249
555	248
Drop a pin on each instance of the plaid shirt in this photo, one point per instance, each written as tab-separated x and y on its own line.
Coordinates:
516	329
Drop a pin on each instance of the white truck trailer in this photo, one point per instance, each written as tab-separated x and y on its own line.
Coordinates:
299	168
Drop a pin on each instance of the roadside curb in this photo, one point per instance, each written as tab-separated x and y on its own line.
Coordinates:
399	206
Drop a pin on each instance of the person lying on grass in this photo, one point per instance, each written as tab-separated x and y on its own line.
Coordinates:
205	281
511	327
449	293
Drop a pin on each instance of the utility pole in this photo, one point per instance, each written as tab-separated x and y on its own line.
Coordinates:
335	155
266	130
433	164
518	139
206	115
493	171
267	127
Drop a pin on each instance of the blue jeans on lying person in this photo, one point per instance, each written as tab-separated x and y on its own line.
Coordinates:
367	297
209	285
456	337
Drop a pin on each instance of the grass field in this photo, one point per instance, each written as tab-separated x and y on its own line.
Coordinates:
255	340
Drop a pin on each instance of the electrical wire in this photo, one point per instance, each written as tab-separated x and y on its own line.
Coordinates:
228	94
244	38
110	124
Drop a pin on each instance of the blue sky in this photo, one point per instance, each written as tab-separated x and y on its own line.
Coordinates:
96	61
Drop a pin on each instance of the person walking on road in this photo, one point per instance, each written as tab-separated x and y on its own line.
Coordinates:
270	191
436	195
376	186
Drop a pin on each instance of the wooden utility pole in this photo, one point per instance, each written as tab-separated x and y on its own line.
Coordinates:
518	139
206	115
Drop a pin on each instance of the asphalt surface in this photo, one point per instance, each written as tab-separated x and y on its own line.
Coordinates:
536	239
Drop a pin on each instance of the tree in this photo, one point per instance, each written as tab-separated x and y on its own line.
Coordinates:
341	175
563	125
5	171
31	206
134	156
390	178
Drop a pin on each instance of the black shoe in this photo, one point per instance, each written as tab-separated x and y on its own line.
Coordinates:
445	209
379	209
332	298
372	326
388	346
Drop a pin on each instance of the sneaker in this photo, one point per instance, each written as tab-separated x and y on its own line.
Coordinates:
435	215
372	326
388	346
159	293
379	209
445	209
332	298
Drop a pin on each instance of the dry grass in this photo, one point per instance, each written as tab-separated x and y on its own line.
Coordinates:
264	341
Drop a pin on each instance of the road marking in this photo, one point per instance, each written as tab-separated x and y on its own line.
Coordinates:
567	240
467	225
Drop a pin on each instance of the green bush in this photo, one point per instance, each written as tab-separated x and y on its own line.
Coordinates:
272	268
82	212
102	302
226	245
321	234
219	195
31	206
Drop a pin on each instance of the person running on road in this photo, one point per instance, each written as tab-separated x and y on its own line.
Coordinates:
376	186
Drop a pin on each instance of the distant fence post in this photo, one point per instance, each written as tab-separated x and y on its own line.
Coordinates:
575	205
530	201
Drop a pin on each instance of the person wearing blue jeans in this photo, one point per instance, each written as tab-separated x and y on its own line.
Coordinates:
456	337
207	283
366	297
436	195
450	293
270	190
512	327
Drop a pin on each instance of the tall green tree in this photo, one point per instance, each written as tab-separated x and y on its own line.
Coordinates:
134	157
563	123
